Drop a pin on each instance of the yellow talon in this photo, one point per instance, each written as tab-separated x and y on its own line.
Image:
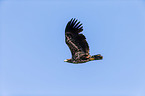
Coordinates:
92	59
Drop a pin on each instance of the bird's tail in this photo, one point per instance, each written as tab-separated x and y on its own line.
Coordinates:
96	57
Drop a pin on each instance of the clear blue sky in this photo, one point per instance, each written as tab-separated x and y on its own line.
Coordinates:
32	48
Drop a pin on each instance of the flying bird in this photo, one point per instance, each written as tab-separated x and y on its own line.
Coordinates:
77	43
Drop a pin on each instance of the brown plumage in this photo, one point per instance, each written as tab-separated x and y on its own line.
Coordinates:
77	43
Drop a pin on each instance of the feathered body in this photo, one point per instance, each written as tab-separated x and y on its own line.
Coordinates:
77	43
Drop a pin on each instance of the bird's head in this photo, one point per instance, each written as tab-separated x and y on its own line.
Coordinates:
68	60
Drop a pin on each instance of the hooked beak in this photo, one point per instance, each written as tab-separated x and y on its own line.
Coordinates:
65	60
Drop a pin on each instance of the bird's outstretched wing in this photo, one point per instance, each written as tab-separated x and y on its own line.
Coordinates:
75	41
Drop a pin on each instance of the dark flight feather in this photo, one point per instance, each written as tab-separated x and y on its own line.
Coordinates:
75	41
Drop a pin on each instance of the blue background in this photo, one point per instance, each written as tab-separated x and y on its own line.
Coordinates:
32	48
